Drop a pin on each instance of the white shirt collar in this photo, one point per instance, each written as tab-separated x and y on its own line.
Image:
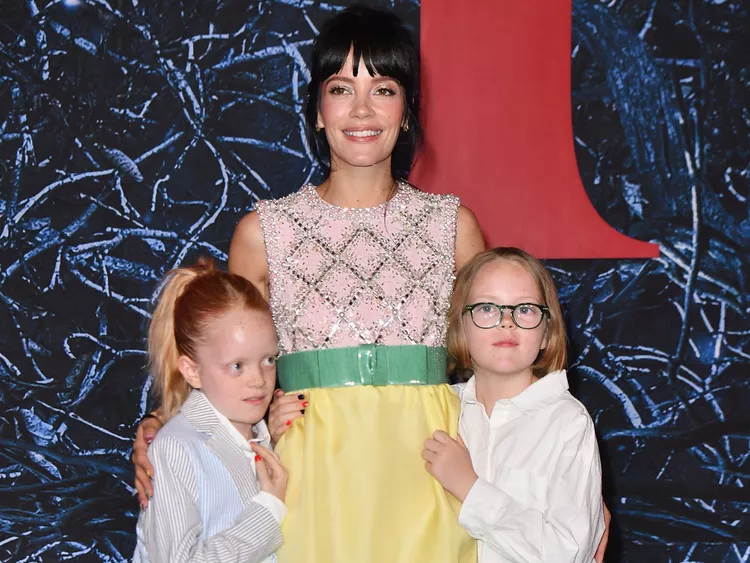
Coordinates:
261	435
531	399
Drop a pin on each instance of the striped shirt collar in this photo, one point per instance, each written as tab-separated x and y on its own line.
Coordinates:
260	431
204	417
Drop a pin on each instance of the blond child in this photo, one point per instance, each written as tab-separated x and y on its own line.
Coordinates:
526	465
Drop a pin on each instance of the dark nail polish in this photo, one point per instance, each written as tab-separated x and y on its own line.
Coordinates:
302	411
300	397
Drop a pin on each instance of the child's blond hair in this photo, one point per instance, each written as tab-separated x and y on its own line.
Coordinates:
553	357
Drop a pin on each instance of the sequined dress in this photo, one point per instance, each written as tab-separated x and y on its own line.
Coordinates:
371	286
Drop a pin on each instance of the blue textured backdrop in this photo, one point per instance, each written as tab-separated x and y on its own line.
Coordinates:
134	135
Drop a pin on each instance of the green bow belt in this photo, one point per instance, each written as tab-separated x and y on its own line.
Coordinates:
367	364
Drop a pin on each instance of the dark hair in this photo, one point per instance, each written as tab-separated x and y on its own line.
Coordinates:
387	48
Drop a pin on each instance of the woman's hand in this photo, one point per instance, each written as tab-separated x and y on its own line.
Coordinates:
144	471
272	477
449	462
284	409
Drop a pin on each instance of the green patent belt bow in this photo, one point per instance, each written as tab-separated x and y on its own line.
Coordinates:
368	364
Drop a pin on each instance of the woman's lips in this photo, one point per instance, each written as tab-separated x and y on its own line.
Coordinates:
362	135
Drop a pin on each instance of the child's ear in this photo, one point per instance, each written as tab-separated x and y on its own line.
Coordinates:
189	370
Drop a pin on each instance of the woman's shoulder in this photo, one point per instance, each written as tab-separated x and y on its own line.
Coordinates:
247	237
250	227
465	218
301	196
449	200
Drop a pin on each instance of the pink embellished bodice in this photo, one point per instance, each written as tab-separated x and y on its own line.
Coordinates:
344	277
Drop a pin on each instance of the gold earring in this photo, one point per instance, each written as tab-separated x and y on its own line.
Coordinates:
318	128
405	127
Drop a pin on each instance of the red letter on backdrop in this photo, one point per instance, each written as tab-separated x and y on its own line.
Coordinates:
497	116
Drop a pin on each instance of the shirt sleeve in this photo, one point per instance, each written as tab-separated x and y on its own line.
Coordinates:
273	504
524	518
170	528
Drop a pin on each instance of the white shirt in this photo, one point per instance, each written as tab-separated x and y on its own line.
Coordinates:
538	497
262	437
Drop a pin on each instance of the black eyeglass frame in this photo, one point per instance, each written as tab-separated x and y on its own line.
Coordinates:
470	309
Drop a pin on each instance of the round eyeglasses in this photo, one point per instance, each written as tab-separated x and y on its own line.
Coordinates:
524	315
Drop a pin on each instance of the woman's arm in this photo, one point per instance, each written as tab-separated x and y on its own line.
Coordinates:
247	253
469	239
247	257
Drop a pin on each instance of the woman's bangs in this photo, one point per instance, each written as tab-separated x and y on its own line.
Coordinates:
381	57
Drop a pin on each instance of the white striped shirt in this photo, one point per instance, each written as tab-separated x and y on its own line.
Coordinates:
204	507
263	437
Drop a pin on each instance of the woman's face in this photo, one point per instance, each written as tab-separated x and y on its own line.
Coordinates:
362	116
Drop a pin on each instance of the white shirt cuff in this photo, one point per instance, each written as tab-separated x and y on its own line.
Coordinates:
273	504
479	508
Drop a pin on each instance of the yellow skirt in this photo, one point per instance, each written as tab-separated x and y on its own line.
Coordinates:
358	489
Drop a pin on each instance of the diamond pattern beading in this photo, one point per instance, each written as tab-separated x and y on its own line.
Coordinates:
344	277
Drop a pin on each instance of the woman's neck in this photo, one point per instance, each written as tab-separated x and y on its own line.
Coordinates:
349	186
492	387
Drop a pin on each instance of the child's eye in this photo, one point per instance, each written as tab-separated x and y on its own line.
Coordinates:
528	310
269	361
236	366
486	309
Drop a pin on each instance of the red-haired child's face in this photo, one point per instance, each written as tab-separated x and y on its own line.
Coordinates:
236	366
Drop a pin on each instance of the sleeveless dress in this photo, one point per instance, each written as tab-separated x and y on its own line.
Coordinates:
359	298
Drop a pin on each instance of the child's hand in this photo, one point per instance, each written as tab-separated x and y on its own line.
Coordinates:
449	462
272	477
284	409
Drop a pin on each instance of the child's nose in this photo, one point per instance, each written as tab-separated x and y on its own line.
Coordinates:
255	378
507	320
